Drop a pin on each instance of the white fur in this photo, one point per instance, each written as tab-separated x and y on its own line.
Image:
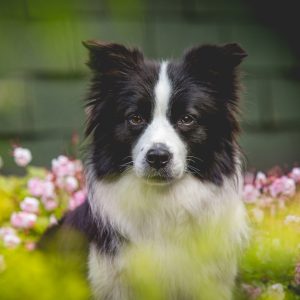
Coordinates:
160	131
161	216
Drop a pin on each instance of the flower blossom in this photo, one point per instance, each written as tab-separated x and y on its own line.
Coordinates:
9	237
276	292
22	156
282	186
77	199
297	274
50	204
30	205
40	188
291	219
63	166
71	184
295	174
23	219
250	193
260	180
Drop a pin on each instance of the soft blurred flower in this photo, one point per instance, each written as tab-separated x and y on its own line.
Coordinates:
276	292
252	292
77	199
250	193
30	205
283	186
30	246
50	204
295	174
9	237
297	274
52	220
49	190
260	180
292	219
71	184
36	187
6	230
40	188
63	166
249	178
23	219
11	240
22	156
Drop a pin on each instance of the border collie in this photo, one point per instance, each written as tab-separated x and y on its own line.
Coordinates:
163	173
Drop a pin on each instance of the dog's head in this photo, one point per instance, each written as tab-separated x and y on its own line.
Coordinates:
164	119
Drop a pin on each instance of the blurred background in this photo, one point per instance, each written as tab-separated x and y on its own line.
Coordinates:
43	77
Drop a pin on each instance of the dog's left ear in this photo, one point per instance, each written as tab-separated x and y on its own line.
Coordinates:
214	60
112	58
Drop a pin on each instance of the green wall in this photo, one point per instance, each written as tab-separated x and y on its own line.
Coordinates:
43	77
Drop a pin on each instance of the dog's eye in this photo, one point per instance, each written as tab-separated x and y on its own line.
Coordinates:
186	120
135	120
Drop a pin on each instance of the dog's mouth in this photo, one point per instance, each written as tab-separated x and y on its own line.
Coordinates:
160	177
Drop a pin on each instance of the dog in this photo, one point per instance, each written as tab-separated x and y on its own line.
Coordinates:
164	174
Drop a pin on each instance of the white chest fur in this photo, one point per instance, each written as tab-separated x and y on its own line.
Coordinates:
191	230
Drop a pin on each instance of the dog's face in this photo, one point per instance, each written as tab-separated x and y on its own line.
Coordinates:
165	119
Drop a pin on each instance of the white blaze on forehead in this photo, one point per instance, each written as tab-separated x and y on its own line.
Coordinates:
160	130
162	91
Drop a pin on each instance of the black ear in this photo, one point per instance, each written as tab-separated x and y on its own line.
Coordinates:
213	59
111	57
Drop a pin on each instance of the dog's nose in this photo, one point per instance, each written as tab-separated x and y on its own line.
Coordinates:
158	156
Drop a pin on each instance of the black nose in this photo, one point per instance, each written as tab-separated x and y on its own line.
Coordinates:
158	156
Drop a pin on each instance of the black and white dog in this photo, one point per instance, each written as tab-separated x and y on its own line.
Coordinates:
163	163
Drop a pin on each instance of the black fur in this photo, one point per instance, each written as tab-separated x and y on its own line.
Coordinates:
205	84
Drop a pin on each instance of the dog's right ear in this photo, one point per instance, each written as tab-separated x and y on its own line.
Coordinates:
112	58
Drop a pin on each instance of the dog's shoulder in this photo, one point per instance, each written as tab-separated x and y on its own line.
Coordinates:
78	229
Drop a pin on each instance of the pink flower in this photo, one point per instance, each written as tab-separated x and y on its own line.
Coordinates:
52	220
11	240
30	246
252	292
50	204
250	193
77	199
9	237
249	178
36	187
6	230
63	166
23	219
260	180
295	174
282	186
71	184
22	156
49	190
41	188
30	205
297	274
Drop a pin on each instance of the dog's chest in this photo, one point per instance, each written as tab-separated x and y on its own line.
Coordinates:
180	234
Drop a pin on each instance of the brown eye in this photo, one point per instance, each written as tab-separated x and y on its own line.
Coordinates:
187	120
136	120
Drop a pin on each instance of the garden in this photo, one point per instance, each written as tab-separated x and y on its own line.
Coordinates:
29	204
